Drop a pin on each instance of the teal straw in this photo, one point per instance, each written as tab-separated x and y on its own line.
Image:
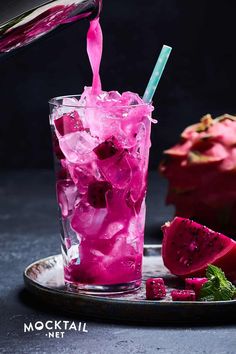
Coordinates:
156	74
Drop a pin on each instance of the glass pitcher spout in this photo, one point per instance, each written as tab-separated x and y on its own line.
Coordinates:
21	24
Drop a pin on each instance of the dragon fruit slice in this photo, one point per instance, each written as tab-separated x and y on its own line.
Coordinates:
201	170
183	295
189	247
155	289
195	284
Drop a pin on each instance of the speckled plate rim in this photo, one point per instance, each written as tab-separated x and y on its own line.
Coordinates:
30	283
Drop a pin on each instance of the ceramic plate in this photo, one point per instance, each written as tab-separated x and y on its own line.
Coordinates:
44	279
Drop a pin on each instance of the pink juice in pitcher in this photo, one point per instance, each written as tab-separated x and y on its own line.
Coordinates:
101	144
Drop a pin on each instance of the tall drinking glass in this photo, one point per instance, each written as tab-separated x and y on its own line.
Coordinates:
101	161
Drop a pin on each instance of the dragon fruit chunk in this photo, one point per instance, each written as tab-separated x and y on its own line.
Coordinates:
201	170
68	123
155	289
97	193
106	149
183	295
188	248
195	284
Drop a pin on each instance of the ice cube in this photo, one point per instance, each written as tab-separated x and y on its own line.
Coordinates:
141	139
67	241
135	234
66	196
70	101
58	112
114	96
137	192
109	99
110	126
141	218
73	253
133	128
112	229
81	176
116	170
70	236
78	147
130	98
92	118
121	264
138	182
88	220
122	253
116	201
135	230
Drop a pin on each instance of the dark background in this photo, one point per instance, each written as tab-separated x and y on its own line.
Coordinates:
199	77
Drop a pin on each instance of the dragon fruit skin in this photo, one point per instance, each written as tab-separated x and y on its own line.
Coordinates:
195	284
201	170
188	248
183	295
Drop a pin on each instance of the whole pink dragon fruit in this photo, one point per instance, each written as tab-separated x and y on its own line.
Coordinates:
201	170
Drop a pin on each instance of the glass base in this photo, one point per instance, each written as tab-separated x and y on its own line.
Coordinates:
103	289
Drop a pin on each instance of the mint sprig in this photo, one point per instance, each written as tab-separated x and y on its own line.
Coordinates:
218	287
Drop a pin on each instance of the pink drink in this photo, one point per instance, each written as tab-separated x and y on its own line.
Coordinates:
101	144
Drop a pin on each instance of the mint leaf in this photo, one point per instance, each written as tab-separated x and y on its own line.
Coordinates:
218	287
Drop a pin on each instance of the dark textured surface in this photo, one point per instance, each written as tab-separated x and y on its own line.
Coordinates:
28	232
